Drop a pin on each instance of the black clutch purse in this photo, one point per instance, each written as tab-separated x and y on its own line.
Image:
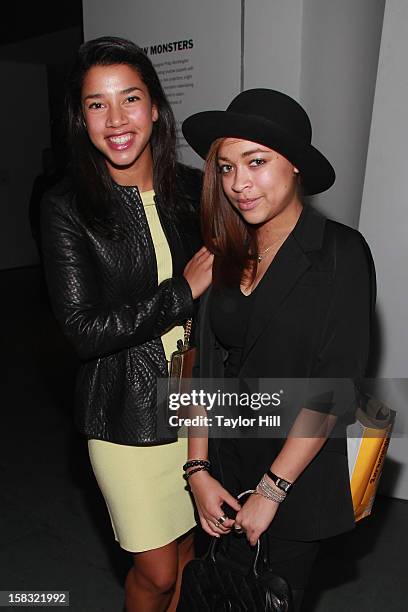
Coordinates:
216	583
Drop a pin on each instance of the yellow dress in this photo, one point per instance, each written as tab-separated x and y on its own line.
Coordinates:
143	486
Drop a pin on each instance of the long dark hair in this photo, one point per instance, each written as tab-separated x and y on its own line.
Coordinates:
225	233
93	183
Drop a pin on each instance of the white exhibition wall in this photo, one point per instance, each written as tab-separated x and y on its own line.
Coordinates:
20	161
326	55
340	47
384	222
273	45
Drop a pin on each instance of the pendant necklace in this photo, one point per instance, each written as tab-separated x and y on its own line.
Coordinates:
260	256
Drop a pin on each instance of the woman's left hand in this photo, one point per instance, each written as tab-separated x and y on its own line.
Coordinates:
255	517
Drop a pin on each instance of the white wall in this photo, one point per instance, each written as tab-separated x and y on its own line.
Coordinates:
384	221
273	42
340	46
25	133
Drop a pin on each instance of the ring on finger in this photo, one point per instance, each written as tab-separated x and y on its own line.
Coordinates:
222	519
217	523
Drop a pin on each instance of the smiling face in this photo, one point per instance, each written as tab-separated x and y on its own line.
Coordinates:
119	117
259	182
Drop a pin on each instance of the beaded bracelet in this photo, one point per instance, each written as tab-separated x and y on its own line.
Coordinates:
187	475
196	462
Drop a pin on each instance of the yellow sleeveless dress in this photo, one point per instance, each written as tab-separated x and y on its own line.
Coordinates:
143	486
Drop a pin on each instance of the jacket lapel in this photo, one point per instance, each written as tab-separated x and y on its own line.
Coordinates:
285	271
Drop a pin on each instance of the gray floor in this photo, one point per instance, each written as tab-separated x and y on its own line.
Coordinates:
54	530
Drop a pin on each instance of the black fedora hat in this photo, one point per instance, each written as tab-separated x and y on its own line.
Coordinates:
270	118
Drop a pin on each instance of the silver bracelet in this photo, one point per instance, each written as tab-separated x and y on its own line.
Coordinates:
266	490
272	489
268	495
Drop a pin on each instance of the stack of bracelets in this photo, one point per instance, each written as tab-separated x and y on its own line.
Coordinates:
270	492
197	465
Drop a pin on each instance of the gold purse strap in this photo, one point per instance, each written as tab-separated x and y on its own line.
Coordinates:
187	333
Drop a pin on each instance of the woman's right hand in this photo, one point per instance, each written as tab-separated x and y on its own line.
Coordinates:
209	496
198	272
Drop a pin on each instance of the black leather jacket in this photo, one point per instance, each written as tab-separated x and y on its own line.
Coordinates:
105	295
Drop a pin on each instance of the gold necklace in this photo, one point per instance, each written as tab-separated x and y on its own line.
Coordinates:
260	255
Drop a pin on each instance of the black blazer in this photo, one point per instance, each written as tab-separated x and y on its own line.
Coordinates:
311	318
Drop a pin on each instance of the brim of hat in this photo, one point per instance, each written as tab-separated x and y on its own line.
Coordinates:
200	131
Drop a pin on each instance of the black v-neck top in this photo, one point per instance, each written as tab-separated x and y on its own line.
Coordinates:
230	311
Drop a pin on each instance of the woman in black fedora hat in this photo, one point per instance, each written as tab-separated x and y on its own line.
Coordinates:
292	297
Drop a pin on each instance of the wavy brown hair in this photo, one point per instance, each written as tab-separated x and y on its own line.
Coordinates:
225	232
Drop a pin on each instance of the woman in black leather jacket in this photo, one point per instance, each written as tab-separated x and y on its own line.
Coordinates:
119	239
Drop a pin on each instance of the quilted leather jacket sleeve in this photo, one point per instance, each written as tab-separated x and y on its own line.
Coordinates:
97	329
